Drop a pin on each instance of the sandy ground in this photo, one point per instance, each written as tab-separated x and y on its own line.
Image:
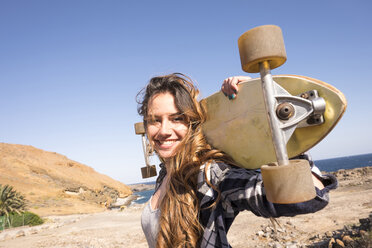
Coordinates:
349	203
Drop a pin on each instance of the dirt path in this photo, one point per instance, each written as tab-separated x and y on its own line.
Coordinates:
349	203
107	229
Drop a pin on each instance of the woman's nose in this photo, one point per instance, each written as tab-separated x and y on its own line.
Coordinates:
165	128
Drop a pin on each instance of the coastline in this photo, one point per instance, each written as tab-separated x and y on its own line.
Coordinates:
138	187
349	208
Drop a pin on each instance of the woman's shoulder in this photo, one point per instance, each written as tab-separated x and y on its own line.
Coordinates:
217	171
216	168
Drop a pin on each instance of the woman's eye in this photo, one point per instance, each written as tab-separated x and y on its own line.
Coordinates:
154	121
178	119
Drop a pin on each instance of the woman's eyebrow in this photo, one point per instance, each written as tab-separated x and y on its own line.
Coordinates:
151	116
176	114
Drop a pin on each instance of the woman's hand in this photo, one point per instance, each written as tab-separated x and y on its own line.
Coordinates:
230	85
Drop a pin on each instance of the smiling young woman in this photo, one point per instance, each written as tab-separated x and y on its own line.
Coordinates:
172	117
199	191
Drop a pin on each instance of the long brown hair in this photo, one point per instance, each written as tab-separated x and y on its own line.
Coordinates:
179	221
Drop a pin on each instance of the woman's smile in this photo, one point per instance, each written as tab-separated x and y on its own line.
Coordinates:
166	143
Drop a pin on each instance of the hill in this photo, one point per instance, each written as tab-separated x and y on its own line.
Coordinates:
54	184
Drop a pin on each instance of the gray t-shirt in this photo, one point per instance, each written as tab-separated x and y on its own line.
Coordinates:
150	224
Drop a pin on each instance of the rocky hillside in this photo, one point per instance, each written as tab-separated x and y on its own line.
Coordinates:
54	184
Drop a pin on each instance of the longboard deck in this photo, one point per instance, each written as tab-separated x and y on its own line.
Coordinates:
240	127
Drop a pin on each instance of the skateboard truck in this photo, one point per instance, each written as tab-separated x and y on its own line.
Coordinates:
286	181
316	118
293	112
148	170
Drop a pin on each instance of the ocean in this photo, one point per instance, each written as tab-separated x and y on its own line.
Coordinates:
328	165
349	162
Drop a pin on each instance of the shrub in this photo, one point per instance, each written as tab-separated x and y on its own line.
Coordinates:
24	219
27	218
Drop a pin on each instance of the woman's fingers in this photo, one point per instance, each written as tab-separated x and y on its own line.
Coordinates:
230	85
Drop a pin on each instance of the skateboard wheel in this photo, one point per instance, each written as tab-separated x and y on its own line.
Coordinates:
263	43
139	128
290	183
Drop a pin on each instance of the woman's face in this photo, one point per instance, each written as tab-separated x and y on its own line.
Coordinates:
166	126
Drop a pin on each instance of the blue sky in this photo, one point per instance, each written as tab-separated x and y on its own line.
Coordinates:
70	70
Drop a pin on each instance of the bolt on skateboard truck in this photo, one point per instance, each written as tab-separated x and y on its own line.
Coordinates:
286	181
148	170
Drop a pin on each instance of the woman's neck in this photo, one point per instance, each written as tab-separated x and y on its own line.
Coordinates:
167	163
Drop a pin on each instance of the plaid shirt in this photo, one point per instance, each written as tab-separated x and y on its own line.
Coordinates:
242	189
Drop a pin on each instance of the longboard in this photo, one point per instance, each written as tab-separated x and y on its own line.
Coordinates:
241	129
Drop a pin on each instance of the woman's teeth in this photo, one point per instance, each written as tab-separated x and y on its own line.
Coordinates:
166	142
